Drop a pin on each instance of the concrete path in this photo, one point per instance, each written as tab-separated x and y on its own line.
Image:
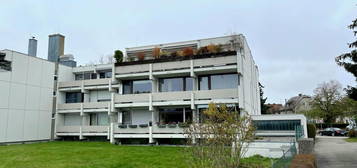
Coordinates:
335	152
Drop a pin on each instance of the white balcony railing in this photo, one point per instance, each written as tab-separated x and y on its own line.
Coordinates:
177	96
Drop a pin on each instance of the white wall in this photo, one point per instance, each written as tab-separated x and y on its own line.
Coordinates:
26	98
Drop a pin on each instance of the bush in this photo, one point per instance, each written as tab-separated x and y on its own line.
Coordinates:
352	133
118	55
156	52
311	130
188	51
140	56
304	161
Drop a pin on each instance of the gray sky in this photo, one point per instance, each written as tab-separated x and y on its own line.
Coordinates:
293	42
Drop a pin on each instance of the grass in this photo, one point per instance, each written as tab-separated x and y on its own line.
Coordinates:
351	139
99	155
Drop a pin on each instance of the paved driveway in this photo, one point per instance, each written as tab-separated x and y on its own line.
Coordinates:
335	152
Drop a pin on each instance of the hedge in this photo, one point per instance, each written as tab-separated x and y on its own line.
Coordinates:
311	130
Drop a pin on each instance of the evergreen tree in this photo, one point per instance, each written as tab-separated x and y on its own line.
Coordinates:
349	61
264	108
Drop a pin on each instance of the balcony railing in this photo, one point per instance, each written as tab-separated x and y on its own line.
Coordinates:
178	96
86	83
163	64
87	105
95	129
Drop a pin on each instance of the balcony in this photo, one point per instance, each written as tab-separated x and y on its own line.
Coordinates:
83	107
82	130
177	98
86	84
197	63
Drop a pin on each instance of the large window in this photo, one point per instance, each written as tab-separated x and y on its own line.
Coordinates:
72	119
126	117
175	84
100	119
74	97
136	87
221	81
91	75
105	74
276	125
175	115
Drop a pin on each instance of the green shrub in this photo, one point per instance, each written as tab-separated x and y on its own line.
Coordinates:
352	133
118	55
311	130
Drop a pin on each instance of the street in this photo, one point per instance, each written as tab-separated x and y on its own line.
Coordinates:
335	152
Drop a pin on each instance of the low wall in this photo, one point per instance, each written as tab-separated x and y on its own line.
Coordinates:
267	149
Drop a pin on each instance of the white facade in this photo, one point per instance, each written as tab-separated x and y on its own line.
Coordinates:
134	97
26	98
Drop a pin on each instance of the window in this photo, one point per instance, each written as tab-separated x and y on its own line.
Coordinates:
126	117
175	84
136	87
100	119
221	81
203	83
108	74
105	74
74	97
4	64
93	76
226	81
78	76
86	76
72	120
277	125
175	115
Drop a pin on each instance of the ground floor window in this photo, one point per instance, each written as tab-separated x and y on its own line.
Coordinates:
202	108
126	117
175	115
100	119
72	119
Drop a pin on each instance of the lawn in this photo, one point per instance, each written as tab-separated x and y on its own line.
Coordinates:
351	139
98	155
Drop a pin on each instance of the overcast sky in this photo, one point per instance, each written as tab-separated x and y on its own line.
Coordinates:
293	42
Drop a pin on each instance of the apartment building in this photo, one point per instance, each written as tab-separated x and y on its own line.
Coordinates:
150	96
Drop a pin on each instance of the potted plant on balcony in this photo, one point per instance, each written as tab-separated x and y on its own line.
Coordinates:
133	126
140	56
172	125
118	55
212	48
143	125
123	126
156	52
202	50
164	54
188	51
183	125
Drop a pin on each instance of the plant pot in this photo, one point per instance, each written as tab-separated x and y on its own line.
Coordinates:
123	126
162	126
143	125
133	126
183	125
172	125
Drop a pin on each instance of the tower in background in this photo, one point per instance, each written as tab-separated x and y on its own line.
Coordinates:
55	47
32	49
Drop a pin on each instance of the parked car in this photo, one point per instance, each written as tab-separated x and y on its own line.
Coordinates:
333	132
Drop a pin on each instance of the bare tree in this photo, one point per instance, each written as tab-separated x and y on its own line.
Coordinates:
325	104
220	140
